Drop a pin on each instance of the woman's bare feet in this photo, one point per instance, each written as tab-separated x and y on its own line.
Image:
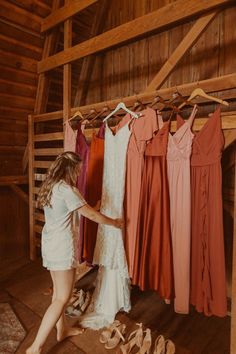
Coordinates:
68	332
32	350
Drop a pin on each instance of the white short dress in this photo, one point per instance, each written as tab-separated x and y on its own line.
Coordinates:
58	235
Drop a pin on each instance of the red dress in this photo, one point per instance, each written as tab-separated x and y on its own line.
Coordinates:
153	256
208	280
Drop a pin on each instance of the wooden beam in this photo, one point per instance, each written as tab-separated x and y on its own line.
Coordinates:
64	13
31	186
233	295
230	137
8	180
24	196
88	62
216	84
189	40
67	69
160	19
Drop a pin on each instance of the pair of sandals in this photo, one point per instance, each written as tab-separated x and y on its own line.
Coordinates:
139	338
78	303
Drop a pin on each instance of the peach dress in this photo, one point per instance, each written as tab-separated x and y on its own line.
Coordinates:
143	130
178	163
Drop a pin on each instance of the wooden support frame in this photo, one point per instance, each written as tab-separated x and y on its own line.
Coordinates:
67	69
49	47
224	82
31	186
24	196
70	9
157	20
188	41
9	180
88	62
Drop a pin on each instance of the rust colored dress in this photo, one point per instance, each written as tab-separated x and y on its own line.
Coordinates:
153	268
208	280
93	191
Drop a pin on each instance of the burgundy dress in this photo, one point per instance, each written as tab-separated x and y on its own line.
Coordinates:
153	268
82	149
208	280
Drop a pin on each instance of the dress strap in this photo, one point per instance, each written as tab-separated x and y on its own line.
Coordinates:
192	115
160	120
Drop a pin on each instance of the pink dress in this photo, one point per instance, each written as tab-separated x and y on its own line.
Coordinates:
143	130
70	138
178	163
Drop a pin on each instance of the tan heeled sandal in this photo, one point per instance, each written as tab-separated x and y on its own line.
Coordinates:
159	347
107	333
115	340
170	347
147	343
135	339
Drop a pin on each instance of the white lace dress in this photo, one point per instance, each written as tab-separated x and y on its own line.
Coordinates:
112	292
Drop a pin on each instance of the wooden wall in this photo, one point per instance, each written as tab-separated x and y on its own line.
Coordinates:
127	70
21	47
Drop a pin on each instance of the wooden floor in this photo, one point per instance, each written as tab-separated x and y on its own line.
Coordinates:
192	334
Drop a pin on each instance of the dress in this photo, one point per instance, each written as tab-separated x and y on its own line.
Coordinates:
82	149
70	138
178	163
143	130
93	191
112	292
153	255
58	238
208	280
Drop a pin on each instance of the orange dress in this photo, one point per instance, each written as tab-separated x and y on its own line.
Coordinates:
93	192
153	268
208	280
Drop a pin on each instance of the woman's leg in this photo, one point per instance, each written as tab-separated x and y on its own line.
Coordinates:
64	282
63	330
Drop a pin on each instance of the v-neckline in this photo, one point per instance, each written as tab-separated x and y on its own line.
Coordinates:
196	134
112	133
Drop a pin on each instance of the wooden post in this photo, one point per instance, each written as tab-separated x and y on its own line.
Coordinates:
31	186
233	297
67	70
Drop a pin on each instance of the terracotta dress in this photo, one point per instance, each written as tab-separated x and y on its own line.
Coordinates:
153	255
143	130
93	191
208	280
178	162
82	148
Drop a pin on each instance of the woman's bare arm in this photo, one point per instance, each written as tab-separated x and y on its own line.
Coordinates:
99	218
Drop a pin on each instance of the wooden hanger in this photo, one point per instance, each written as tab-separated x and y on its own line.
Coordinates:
99	114
121	105
200	92
179	97
138	105
166	104
77	114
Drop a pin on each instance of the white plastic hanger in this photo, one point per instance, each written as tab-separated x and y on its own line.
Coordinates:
121	105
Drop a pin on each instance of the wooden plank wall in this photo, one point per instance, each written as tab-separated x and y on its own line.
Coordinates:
21	47
127	70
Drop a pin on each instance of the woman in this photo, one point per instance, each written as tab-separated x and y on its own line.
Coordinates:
60	198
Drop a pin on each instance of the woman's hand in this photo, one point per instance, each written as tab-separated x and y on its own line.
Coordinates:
118	223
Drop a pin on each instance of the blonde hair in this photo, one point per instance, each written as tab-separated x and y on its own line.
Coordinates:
63	168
